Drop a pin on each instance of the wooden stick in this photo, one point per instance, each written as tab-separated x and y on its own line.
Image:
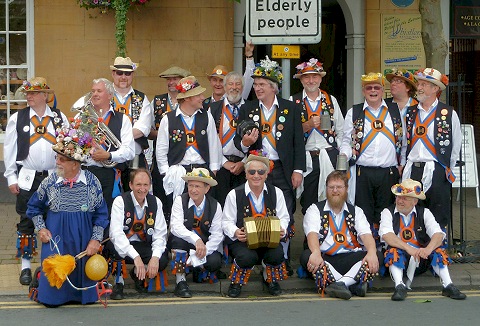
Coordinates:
84	253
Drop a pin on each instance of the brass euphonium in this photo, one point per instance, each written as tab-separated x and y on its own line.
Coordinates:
86	111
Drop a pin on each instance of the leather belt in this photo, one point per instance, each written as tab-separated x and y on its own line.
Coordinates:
233	158
43	173
317	152
190	167
419	164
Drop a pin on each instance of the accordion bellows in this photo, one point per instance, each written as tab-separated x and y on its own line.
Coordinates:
262	231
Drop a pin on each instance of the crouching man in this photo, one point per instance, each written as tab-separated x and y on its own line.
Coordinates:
413	235
341	252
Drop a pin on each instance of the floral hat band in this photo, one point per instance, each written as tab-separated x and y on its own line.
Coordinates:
200	174
313	66
261	156
432	75
188	87
72	144
268	69
36	84
409	188
404	75
373	78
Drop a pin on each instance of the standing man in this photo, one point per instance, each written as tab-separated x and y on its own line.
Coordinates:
186	138
336	234
258	199
434	141
216	78
196	225
413	236
403	87
121	127
279	133
321	145
225	114
69	210
374	142
136	106
162	104
138	233
28	157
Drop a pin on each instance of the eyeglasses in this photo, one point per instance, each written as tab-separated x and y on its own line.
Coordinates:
260	85
62	158
336	187
396	81
260	172
121	73
369	88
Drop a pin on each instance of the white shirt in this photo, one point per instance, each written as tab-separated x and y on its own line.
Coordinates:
191	155
315	140
179	230
247	78
145	120
381	151
126	152
229	148
118	237
419	152
40	154
312	220
229	219
386	222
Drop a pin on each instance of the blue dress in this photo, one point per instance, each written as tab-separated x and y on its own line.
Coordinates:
71	215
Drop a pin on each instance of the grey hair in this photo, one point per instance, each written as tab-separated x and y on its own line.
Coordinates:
108	85
274	85
247	165
232	75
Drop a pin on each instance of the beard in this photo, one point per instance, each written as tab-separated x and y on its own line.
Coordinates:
60	171
336	201
234	98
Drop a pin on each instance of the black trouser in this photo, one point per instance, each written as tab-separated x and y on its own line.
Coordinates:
247	258
142	163
278	178
159	191
144	249
214	260
226	182
311	182
26	226
439	195
373	190
106	176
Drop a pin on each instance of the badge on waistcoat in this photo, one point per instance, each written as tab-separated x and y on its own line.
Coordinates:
266	128
150	221
377	124
339	237
122	110
40	130
190	138
420	130
233	124
407	234
137	227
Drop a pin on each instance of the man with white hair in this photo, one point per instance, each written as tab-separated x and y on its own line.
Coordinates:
434	142
413	236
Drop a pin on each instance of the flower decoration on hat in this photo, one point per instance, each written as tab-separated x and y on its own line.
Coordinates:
268	69
432	75
408	188
200	174
187	85
373	77
262	156
36	85
310	66
73	144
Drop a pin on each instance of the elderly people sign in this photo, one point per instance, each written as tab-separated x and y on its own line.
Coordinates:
284	21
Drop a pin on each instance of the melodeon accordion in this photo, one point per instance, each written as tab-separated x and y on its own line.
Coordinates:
262	231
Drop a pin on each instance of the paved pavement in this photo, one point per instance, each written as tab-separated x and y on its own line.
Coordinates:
465	271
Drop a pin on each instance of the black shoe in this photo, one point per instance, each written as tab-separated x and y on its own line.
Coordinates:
139	285
288	267
117	292
451	291
196	275
26	276
338	290
360	290
221	275
182	290
36	276
400	293
234	290
273	288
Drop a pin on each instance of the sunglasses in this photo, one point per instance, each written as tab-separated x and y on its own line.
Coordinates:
121	73
260	172
369	88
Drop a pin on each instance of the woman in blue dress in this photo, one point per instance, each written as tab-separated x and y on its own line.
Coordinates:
76	215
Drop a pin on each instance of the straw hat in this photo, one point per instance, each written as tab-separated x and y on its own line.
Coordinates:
188	87
404	75
124	64
36	84
432	75
373	78
219	71
409	188
312	66
200	174
174	72
258	155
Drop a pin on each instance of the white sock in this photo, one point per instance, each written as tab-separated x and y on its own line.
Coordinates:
26	263
334	272
285	248
349	277
444	275
180	277
396	273
120	279
264	271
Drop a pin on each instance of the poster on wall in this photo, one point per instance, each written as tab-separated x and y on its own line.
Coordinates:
401	43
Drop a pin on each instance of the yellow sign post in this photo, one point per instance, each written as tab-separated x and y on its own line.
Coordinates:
286	51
